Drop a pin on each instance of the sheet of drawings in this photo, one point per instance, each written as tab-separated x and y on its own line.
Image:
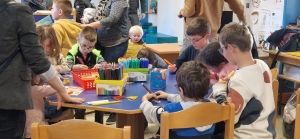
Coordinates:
74	90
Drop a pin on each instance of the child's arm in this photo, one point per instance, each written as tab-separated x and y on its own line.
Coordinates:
42	91
149	110
188	9
182	58
62	65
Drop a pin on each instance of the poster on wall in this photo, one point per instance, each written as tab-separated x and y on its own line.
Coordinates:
276	3
276	19
255	3
265	19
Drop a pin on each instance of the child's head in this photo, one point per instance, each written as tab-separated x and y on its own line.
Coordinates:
47	38
193	80
212	58
198	33
136	33
36	80
61	9
87	39
146	53
235	41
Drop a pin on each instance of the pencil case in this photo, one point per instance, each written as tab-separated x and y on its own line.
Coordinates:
85	78
137	74
158	78
111	87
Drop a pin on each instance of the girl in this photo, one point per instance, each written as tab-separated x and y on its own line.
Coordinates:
47	38
38	92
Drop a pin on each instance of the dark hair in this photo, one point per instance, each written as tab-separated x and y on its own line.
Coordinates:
147	53
194	79
198	26
236	34
211	56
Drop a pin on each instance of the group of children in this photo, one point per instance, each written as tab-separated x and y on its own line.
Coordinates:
203	64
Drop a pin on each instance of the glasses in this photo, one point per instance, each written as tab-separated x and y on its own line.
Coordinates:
221	50
194	39
86	47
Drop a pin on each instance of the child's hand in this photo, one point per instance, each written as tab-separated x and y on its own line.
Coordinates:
96	66
223	79
172	68
148	96
161	94
79	67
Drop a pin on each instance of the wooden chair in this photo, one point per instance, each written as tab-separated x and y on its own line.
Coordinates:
274	73
74	14
297	120
199	115
275	85
78	129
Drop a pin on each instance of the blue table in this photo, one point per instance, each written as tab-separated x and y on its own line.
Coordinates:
128	112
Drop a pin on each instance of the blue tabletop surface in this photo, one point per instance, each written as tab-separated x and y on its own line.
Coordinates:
135	89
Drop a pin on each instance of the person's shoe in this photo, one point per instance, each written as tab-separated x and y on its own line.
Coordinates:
111	119
155	137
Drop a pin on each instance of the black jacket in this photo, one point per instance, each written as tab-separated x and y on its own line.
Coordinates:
18	29
80	5
134	5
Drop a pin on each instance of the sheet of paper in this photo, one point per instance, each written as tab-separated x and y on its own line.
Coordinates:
74	89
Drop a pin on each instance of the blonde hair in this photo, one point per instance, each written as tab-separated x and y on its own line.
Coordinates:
88	33
136	29
47	32
65	6
239	35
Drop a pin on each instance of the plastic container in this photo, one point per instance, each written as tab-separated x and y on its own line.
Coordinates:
111	87
137	75
85	83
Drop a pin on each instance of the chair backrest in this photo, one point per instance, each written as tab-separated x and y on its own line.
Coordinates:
78	129
74	14
274	73
297	120
275	85
199	115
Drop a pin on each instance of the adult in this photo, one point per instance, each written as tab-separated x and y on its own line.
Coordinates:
20	53
211	11
112	33
133	11
38	4
80	5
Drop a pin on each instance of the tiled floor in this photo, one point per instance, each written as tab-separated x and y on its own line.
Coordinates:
152	129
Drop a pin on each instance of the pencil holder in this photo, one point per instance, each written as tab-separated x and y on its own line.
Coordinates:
158	79
85	78
111	87
137	75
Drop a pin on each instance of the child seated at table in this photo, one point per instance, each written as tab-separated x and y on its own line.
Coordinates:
154	59
249	89
83	55
135	43
215	62
193	84
198	33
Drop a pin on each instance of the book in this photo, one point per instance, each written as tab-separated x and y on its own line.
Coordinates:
45	21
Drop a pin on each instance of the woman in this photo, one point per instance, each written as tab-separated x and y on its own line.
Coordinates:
112	30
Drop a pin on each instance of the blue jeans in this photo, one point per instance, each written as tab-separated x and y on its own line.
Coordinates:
12	124
112	54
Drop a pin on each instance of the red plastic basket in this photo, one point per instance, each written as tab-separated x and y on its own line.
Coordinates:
85	84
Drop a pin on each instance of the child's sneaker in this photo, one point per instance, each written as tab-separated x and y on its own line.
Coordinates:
111	119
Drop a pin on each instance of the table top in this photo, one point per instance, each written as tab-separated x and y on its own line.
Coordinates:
273	52
164	48
126	106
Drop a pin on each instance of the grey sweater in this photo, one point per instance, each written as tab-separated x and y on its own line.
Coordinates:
115	23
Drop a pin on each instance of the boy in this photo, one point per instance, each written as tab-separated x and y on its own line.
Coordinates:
250	88
193	85
135	43
198	33
215	62
154	59
66	30
84	56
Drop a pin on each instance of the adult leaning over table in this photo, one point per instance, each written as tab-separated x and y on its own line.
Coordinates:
20	53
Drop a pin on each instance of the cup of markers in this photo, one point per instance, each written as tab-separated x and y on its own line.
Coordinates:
137	69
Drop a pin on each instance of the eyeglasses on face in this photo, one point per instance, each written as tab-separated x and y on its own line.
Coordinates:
194	39
86	47
221	50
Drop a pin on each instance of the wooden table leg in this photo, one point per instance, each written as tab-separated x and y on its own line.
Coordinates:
136	121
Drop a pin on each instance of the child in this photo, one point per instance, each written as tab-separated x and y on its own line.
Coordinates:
52	49
250	88
84	56
135	43
215	61
198	32
154	59
38	92
193	84
66	30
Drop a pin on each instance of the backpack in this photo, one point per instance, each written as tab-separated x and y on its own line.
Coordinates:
287	40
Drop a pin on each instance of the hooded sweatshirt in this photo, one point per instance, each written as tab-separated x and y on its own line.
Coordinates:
67	32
